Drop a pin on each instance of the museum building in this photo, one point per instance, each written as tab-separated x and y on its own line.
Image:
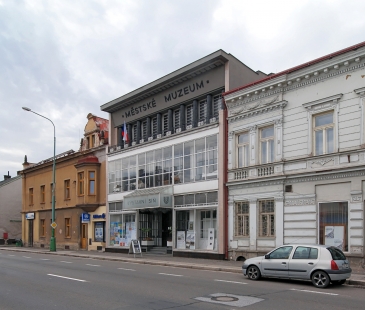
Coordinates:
166	172
296	160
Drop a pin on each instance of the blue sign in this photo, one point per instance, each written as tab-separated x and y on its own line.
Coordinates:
85	218
99	216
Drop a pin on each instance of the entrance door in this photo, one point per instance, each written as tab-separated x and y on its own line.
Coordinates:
30	236
166	227
83	236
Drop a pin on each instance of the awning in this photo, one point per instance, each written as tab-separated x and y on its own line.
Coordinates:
147	198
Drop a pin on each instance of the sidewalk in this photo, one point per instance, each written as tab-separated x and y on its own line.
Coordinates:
357	277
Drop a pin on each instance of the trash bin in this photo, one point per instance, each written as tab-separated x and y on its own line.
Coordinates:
18	242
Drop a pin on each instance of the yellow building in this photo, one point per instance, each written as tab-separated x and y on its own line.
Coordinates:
80	192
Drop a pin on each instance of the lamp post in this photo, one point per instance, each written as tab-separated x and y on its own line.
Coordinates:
52	246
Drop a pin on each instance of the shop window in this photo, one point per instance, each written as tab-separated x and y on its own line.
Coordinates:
182	221
333	224
208	219
323	132
31	196
267	144
243	146
67	189
99	232
242	219
80	183
267	218
42	227
91	182
43	194
115	206
67	228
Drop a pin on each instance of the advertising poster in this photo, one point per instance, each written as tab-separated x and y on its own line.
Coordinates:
334	236
99	232
180	240
116	234
190	240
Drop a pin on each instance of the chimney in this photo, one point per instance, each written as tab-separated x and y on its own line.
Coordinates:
6	177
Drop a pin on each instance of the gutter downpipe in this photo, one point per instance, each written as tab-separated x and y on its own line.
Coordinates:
225	178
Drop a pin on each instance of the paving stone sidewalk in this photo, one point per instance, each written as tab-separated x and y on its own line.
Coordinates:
357	277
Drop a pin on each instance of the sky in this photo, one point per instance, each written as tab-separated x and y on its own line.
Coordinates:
64	59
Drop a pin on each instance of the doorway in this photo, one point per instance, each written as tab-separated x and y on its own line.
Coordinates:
30	236
83	236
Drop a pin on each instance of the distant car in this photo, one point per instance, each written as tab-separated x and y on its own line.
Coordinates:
319	263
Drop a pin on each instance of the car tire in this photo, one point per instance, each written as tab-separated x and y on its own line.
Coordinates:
253	273
320	279
339	282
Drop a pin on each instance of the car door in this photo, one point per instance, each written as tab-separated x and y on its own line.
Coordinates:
302	262
276	262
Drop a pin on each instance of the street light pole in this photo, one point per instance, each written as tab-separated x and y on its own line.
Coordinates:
52	246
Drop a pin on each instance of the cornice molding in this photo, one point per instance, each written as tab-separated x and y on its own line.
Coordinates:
360	91
315	104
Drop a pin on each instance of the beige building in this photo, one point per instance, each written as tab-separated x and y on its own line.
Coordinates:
296	160
80	193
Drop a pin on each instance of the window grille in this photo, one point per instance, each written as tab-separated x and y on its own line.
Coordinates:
202	110
189	115
154	127
242	219
165	121
144	130
134	129
267	218
177	118
216	105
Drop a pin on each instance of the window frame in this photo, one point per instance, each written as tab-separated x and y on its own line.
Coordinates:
67	189
42	194
81	183
90	181
245	161
242	218
31	196
268	149
67	227
42	226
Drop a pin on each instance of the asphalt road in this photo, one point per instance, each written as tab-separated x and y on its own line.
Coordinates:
39	281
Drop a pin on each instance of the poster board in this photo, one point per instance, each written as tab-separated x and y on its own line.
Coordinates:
190	240
180	239
135	247
335	236
210	245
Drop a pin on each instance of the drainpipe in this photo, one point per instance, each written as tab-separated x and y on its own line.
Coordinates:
225	178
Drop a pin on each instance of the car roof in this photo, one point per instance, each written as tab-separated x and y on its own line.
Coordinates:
307	244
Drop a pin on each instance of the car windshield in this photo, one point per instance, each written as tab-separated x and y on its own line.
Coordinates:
336	253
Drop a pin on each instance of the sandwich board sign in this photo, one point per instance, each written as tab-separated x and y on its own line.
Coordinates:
135	247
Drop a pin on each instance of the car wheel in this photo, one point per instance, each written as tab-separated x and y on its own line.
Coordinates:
340	282
253	273
320	279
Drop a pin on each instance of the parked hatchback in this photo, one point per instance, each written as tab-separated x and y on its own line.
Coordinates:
319	263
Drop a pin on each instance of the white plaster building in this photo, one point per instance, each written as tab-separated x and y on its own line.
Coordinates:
296	159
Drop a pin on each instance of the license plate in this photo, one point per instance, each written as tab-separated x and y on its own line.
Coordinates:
345	266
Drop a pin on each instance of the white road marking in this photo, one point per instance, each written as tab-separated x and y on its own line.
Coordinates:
11	255
63	261
230	281
44	258
54	275
293	289
126	269
26	257
92	265
170	274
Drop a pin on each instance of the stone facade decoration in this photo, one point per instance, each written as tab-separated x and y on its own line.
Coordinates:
296	164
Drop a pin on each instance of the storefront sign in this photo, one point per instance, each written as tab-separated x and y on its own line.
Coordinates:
135	247
85	218
99	216
29	216
180	236
99	231
148	201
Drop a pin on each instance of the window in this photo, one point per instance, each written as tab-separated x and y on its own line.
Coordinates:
202	111
80	183
144	130
267	144
43	194
91	182
165	122
67	189
31	196
176	119
267	218
281	253
242	225
42	232
93	142
154	127
88	142
216	105
305	253
323	133
208	219
134	133
243	143
122	229
67	228
129	173
333	224
189	115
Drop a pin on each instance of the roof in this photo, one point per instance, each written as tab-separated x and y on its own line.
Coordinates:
296	68
202	65
10	180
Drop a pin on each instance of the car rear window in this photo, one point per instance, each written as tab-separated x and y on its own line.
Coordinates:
336	253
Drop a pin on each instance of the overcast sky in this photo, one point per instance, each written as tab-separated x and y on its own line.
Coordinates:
64	59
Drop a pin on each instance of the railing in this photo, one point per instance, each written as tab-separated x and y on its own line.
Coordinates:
265	171
239	175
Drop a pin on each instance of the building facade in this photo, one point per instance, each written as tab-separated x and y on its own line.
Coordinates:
166	174
296	160
10	209
80	205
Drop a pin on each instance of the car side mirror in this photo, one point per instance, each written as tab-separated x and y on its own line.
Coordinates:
267	256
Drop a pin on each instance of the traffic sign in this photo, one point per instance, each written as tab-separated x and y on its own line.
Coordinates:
54	225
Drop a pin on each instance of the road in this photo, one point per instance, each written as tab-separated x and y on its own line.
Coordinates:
40	281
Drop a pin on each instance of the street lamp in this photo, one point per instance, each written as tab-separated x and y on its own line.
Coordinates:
52	246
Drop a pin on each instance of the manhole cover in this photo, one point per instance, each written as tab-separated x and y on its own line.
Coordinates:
225	298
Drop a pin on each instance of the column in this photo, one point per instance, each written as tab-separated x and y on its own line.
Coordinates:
253	225
279	221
